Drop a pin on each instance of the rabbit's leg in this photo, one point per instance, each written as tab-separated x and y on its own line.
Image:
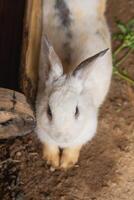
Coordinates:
69	157
51	154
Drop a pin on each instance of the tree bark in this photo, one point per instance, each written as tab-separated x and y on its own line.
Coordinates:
16	115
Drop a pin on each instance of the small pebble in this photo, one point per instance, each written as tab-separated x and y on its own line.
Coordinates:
52	169
18	154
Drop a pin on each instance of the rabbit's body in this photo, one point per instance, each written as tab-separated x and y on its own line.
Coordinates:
77	30
83	34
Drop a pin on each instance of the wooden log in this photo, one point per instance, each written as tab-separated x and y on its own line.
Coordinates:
16	115
31	48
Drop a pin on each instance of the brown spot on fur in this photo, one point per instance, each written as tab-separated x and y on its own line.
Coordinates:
67	49
63	12
102	7
64	15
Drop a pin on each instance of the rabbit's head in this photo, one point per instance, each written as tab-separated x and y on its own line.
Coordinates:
65	109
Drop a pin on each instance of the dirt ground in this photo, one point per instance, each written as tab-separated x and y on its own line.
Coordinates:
106	167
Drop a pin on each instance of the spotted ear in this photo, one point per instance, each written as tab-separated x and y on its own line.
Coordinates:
83	70
50	64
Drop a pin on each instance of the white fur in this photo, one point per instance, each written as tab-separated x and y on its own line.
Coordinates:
67	92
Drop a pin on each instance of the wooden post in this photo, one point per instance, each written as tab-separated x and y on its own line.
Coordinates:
31	48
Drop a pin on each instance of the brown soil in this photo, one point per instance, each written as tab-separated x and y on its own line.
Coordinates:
106	167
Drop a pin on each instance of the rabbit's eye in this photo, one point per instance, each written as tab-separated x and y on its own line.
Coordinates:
49	112
77	112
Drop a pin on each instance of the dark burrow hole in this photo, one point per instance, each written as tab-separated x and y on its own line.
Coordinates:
11	33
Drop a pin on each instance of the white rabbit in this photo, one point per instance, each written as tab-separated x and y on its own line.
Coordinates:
74	76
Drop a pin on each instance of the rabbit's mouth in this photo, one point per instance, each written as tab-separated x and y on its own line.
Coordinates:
60	137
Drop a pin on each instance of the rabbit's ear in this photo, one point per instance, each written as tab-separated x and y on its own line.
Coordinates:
83	70
50	64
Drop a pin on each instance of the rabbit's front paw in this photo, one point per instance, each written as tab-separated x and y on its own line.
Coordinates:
52	155
69	157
